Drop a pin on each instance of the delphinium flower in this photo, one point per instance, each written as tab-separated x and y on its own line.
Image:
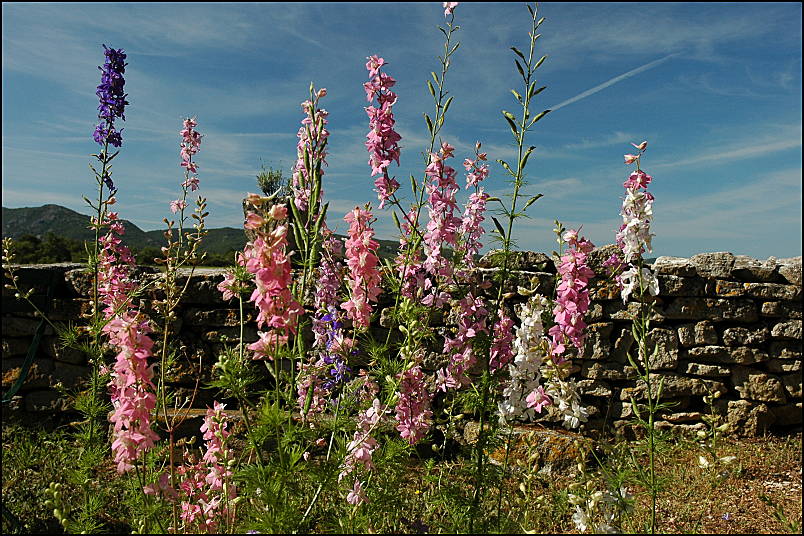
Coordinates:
413	408
634	236
471	228
359	451
382	140
310	150
500	353
530	348
115	268
442	229
600	510
189	147
449	7
572	299
112	100
566	399
131	388
361	259
409	261
330	275
471	315
208	486
266	258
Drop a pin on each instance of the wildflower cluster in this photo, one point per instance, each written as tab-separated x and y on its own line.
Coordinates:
382	140
442	228
413	408
471	315
634	236
359	451
112	99
266	258
362	261
208	485
311	151
190	145
471	228
572	299
522	395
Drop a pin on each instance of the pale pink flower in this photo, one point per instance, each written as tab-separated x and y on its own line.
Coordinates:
177	205
356	497
449	7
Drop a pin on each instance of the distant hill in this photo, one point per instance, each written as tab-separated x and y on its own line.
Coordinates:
64	222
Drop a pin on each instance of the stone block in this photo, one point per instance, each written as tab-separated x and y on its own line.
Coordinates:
597	345
711	371
675	386
755	385
53	348
196	317
787	330
597	370
785	350
790	270
773	291
673	285
531	261
714	265
749	418
739	336
665	343
45	401
792	384
777	309
787	415
783	365
594	388
677	266
13	347
38	375
70	375
750	269
16	326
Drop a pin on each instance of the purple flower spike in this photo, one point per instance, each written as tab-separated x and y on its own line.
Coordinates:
112	97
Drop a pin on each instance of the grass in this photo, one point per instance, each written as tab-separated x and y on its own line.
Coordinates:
419	491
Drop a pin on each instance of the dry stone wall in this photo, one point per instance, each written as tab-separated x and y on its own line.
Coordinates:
723	323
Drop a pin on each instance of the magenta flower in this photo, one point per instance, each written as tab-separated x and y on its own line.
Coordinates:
413	409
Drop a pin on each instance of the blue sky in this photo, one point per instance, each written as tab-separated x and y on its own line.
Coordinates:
714	88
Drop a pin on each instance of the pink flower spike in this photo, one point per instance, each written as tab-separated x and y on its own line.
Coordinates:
642	146
449	7
177	205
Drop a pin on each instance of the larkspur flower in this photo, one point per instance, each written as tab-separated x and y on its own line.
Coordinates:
311	151
112	97
363	263
382	140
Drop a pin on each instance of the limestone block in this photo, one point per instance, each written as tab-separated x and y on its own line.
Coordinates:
623	345
531	261
197	317
596	370
787	330
70	375
675	386
787	415
773	291
673	285
783	365
792	383
15	346
790	269
665	341
750	269
785	350
754	385
677	266
749	418
45	401
714	265
781	309
597	345
594	388
16	326
739	336
711	371
697	334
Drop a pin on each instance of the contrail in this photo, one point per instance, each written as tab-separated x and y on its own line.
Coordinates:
611	82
